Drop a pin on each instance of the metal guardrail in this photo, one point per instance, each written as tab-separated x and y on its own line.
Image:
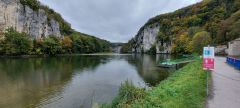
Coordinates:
234	62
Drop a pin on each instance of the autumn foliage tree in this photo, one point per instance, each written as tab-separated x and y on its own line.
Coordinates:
200	40
67	44
181	43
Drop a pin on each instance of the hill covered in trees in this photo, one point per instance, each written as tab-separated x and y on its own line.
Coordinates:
40	30
188	29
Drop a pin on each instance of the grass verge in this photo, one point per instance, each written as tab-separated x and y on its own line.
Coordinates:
186	88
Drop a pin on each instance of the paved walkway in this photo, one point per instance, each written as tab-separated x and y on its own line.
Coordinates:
225	90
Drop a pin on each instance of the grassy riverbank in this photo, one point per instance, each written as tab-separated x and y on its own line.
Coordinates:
186	88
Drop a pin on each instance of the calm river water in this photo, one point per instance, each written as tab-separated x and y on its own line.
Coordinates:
73	82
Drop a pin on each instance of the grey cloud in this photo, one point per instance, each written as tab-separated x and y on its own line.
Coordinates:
113	20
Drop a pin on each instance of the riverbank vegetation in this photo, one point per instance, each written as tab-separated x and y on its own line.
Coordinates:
186	44
186	88
15	43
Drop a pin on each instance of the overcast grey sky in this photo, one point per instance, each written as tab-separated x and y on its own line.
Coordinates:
113	20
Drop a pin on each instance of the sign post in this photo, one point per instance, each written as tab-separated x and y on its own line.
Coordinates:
208	58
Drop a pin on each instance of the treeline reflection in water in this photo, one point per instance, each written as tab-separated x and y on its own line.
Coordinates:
74	81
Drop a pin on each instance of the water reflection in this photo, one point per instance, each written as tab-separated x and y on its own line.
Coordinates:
70	82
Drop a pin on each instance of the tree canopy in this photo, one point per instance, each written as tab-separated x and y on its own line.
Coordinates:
15	43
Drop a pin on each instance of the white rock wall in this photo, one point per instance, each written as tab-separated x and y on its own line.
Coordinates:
147	38
24	19
166	48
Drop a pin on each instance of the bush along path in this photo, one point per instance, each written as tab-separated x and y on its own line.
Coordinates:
186	88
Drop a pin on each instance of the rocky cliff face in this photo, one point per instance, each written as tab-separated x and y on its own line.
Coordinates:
24	19
146	39
163	47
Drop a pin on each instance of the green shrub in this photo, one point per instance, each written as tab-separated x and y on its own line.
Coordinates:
16	43
67	44
128	93
38	46
33	4
162	37
52	45
152	49
193	30
181	44
200	40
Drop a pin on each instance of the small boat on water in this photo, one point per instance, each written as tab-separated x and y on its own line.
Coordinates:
166	66
173	64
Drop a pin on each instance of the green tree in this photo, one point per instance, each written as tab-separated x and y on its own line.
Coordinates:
234	31
52	45
77	43
200	40
162	37
16	43
194	21
89	46
67	44
181	44
38	46
193	30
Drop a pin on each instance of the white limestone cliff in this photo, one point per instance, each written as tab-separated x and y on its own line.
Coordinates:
24	19
146	38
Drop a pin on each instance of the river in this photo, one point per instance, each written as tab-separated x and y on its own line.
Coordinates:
73	81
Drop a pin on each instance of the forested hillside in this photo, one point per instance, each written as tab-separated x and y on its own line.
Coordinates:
13	42
186	30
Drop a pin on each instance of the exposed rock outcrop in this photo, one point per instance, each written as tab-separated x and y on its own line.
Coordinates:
163	47
24	19
147	38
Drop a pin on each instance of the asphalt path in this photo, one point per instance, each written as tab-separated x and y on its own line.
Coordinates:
224	87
